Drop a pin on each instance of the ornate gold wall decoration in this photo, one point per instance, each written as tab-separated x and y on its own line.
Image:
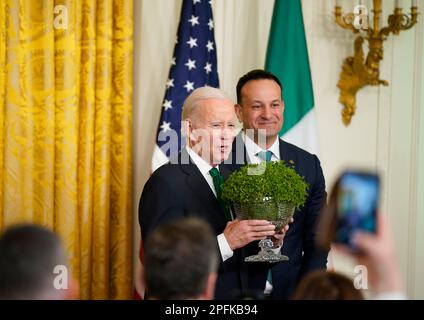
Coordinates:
360	71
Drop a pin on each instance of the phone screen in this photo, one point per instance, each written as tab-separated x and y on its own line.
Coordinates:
357	203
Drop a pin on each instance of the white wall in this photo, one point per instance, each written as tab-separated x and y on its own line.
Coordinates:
416	283
384	132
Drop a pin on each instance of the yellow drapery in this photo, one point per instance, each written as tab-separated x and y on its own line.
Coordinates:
65	131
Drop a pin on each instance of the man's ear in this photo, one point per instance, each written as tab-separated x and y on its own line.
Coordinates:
140	283
187	127
239	112
73	292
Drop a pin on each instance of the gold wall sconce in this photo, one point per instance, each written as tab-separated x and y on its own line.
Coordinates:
358	71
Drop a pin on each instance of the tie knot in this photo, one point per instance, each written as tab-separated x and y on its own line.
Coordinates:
214	172
265	155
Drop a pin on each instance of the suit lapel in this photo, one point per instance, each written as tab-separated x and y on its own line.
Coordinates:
286	155
225	171
239	158
200	188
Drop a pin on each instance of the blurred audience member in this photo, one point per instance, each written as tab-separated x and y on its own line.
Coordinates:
181	261
33	265
326	285
376	252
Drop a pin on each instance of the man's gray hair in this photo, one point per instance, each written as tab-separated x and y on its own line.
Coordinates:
202	93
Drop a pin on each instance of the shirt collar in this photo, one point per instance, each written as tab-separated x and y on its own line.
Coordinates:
253	149
201	164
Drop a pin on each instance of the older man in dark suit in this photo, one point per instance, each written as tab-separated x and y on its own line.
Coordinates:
260	108
190	185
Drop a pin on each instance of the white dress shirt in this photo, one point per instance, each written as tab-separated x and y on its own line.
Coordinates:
253	149
204	169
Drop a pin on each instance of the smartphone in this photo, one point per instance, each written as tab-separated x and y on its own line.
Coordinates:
357	200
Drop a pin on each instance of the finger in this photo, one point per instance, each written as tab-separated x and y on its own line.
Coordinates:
231	222
262	234
258	222
262	228
364	241
281	233
255	228
382	226
278	236
341	248
257	238
284	230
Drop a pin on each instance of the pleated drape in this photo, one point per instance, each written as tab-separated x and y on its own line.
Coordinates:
65	132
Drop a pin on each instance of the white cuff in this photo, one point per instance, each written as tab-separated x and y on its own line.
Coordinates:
224	247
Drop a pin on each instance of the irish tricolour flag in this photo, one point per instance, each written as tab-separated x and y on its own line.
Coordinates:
287	58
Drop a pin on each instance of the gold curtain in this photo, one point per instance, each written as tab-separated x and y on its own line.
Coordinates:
65	131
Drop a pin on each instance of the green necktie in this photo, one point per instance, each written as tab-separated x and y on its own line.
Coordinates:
218	180
266	155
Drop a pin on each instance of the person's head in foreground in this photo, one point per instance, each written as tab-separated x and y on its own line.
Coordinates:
326	285
33	265
181	261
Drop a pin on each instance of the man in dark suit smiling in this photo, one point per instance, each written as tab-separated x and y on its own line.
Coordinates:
190	186
260	108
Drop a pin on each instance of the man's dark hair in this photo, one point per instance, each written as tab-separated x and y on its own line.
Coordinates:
179	257
257	74
28	256
326	285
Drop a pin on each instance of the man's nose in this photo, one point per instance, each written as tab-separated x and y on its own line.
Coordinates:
266	113
227	133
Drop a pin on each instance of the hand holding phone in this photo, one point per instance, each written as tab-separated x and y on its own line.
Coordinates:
356	205
352	206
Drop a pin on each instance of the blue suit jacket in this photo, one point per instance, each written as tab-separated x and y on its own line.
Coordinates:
299	242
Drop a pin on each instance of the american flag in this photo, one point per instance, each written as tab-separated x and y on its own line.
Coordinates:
193	65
